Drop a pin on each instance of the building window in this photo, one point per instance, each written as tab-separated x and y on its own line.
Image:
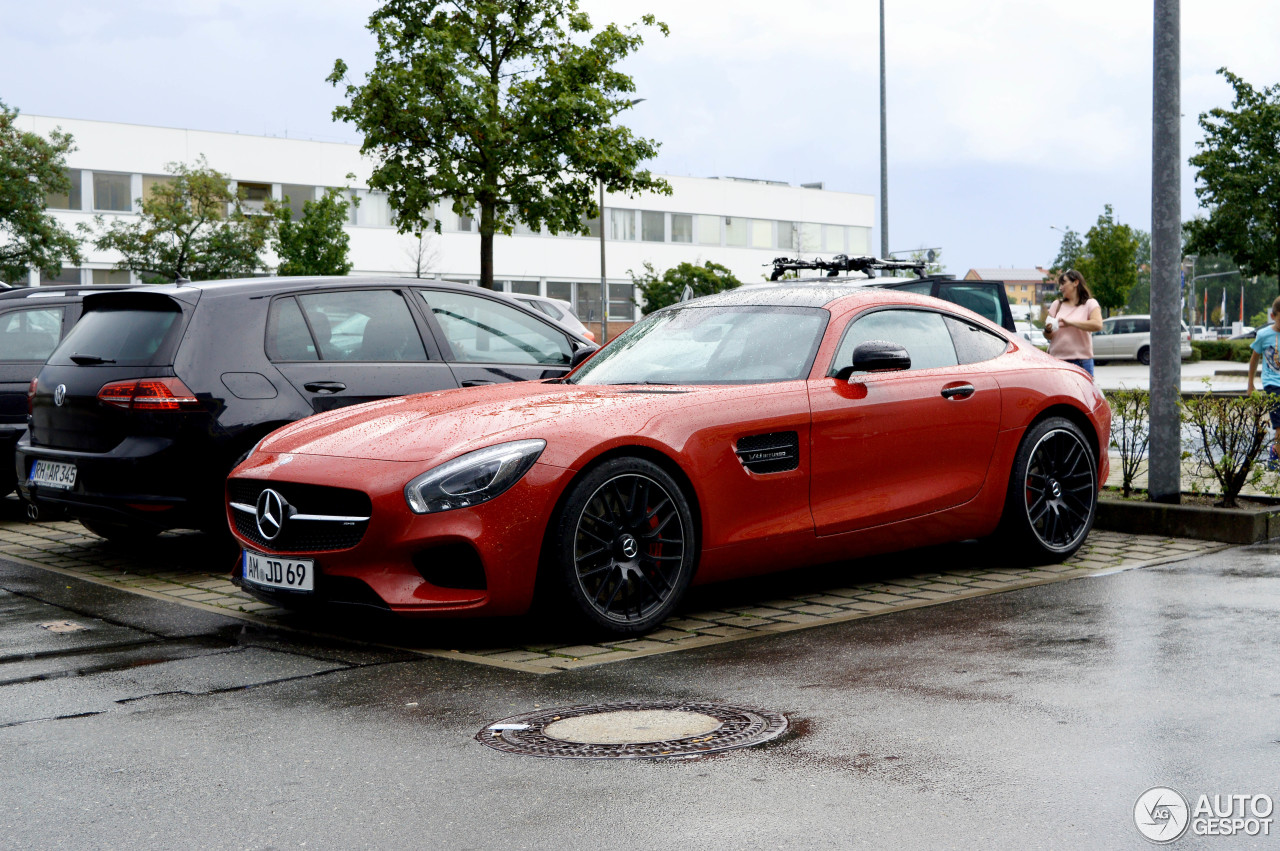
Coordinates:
859	240
150	182
111	192
110	276
653	226
592	226
253	196
67	276
708	230
375	211
295	196
587	305
681	227
66	200
810	237
735	231
622	224
562	290
525	287
832	238
788	236
621	306
761	233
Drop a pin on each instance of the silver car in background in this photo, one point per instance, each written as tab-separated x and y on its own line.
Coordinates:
1129	338
559	310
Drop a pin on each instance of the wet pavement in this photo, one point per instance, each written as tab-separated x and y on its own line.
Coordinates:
1029	718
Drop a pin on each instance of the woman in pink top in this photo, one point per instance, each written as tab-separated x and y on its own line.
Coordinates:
1072	319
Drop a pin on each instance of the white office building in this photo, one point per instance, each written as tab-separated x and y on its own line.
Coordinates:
742	224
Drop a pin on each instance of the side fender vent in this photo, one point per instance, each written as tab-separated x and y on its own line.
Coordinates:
769	453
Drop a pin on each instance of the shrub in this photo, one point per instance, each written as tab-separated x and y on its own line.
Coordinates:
658	291
1232	350
1130	431
1230	433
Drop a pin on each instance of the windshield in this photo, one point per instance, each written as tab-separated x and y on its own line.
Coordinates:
712	345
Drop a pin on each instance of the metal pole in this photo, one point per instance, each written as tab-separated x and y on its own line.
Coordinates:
604	283
884	152
1164	482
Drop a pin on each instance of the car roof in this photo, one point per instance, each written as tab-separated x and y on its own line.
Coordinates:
813	295
72	291
270	285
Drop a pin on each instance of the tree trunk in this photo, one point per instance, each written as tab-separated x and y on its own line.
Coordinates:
486	246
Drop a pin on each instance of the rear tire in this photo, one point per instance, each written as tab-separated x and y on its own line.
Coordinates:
1053	492
1144	356
120	532
623	547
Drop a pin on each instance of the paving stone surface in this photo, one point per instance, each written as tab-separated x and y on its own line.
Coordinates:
182	567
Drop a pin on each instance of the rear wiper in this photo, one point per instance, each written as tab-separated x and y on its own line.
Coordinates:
89	360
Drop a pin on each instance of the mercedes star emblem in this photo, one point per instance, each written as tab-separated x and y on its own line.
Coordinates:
60	395
272	511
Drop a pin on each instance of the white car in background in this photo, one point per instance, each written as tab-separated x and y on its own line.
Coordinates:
1129	338
1033	335
558	309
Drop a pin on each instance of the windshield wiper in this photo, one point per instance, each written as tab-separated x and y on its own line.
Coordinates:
89	360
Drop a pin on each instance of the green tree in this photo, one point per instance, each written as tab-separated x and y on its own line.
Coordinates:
1238	180
1139	300
1069	253
658	291
31	168
1109	264
192	226
500	106
316	244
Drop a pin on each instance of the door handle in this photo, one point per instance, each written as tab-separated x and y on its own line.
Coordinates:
325	386
476	382
964	391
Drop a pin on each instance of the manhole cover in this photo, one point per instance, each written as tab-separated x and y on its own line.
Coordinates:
633	730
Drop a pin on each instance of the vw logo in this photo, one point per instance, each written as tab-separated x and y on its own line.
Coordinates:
630	549
272	511
60	395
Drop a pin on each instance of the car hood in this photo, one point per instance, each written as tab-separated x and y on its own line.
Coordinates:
446	424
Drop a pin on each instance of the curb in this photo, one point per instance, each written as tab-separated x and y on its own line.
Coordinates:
1203	523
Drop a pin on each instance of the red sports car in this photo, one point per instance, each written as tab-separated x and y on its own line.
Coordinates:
750	431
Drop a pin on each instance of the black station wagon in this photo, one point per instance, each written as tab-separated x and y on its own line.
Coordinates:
157	392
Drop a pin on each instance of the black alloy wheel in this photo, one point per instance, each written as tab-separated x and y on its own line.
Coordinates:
1053	491
626	546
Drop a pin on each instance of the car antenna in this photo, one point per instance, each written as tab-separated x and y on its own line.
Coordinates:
179	281
844	263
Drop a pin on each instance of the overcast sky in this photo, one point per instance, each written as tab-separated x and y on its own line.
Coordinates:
1005	117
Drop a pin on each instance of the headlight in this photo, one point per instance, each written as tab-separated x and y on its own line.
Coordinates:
472	478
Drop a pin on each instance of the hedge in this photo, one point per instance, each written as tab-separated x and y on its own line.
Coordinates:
1232	350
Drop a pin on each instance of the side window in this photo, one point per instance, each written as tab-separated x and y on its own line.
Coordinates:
1108	327
363	325
481	330
974	344
30	335
983	300
1142	326
922	333
288	338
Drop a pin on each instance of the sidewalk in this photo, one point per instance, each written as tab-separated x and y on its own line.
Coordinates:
1224	376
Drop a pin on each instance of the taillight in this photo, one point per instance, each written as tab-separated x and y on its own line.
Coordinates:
149	394
31	394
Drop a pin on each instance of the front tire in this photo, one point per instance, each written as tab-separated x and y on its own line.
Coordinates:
1144	356
624	546
1053	492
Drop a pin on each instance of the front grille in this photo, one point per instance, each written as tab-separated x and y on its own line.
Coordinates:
776	452
303	535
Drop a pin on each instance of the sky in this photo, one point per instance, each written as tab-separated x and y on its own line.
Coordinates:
1005	119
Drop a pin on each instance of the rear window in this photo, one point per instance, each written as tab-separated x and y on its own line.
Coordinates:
122	336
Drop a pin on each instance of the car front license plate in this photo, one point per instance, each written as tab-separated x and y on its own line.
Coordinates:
53	474
291	574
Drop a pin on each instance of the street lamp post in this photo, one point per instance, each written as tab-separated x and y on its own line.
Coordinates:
604	281
884	151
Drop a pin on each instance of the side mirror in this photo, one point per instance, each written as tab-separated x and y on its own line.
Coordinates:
581	354
876	356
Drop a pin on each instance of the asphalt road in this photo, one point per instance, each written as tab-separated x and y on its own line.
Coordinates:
1029	719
